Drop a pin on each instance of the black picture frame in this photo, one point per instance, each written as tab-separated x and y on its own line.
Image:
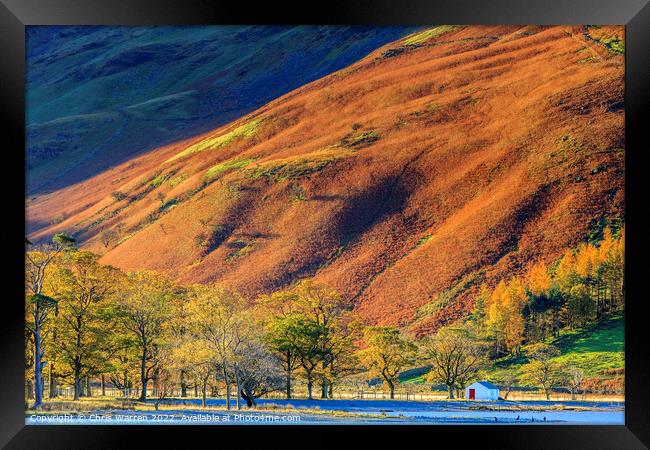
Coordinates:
634	14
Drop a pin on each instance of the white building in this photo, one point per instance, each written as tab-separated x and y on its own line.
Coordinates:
482	390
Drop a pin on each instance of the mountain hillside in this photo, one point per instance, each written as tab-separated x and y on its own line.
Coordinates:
98	96
452	157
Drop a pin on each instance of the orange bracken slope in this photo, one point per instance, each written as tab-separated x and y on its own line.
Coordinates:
430	164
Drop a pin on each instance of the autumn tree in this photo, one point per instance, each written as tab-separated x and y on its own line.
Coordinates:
575	377
307	346
108	237
341	350
579	308
504	315
386	353
538	284
38	305
455	357
258	371
143	310
193	356
218	318
281	322
311	328
542	370
178	327
82	284
326	309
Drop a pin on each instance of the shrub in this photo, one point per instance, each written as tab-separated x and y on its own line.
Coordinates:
298	194
119	196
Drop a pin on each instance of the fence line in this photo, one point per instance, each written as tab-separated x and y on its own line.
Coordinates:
67	392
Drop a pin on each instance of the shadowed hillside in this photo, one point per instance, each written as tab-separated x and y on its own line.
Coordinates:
98	96
453	157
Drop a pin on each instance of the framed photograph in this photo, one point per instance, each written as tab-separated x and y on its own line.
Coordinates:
270	224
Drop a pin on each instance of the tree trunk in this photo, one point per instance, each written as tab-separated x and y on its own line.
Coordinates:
323	388
144	379
30	389
227	381
310	385
126	384
546	392
38	369
248	397
183	384
450	388
204	387
391	387
288	378
103	386
196	388
238	381
88	392
77	382
52	381
330	391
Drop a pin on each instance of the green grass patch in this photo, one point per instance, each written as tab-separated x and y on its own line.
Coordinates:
297	167
244	131
360	140
159	180
289	170
175	181
426	35
226	166
595	348
614	44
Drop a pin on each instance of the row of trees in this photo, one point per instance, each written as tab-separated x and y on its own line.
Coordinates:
583	286
85	320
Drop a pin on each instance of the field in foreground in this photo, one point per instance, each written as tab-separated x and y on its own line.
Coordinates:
353	412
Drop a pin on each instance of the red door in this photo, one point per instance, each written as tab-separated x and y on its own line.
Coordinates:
472	394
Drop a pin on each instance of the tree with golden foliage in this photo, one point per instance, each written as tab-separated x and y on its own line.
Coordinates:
386	353
143	310
39	305
82	286
455	357
504	316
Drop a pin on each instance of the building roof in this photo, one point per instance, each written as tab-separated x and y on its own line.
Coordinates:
486	384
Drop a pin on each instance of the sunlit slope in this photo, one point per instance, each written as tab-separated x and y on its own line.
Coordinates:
404	180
